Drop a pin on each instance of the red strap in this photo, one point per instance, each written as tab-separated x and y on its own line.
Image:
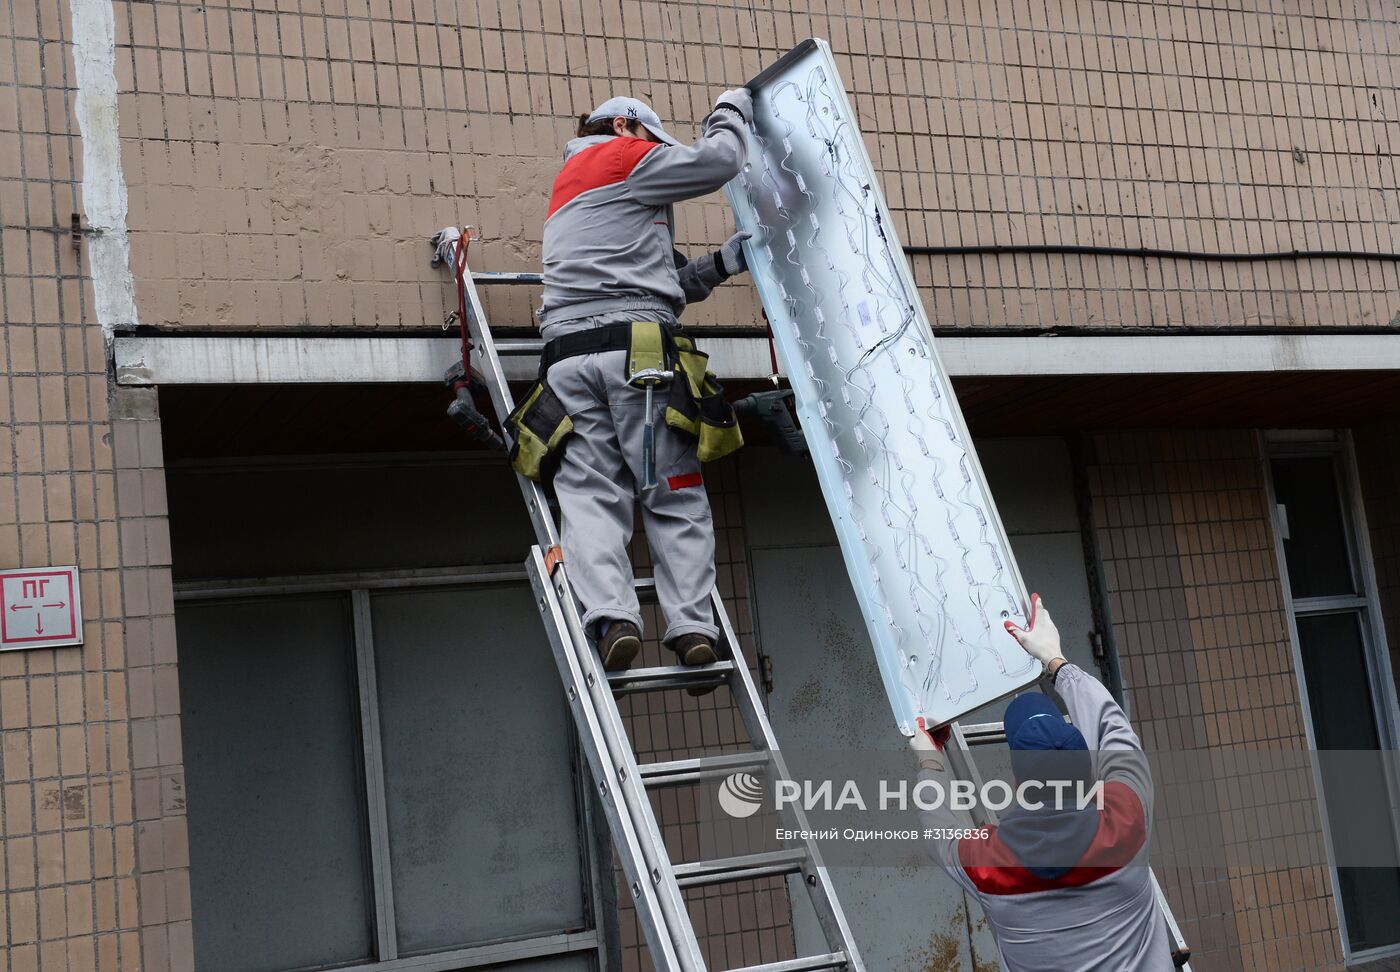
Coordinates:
459	264
553	557
772	348
686	481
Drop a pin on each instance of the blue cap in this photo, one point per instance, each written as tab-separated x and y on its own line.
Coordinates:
1034	727
1033	721
636	110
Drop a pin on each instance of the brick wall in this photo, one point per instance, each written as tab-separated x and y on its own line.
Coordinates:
1202	633
287	161
153	691
91	867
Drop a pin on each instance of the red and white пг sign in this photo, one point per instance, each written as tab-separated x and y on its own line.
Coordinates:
39	608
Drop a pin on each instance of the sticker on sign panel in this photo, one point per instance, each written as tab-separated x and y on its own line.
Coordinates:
927	555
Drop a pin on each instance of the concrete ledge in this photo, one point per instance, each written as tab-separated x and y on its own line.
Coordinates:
1168	354
328	360
323	360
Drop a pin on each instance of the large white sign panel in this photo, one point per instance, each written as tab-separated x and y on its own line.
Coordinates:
923	543
39	608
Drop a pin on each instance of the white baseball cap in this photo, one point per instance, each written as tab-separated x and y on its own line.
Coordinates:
636	110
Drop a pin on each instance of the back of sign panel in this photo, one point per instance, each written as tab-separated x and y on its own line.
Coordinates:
927	555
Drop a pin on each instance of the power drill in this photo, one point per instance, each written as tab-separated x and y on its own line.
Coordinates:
770	408
463	409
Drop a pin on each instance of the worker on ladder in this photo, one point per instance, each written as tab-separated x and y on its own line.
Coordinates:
624	408
1065	887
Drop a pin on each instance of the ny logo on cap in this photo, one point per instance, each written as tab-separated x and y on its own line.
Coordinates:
631	112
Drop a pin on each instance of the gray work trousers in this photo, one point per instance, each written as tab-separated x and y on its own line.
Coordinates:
598	483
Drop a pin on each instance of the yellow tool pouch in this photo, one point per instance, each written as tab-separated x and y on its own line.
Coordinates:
646	348
540	426
697	405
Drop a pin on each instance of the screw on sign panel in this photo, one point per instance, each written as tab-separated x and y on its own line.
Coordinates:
39	607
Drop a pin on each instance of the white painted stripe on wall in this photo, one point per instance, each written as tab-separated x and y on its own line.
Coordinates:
104	190
298	360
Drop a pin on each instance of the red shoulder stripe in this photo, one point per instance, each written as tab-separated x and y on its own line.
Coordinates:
994	869
605	164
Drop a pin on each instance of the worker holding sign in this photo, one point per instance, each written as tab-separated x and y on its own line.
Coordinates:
625	409
1063	877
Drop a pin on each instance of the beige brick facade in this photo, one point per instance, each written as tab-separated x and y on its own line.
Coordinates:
285	162
86	857
1198	614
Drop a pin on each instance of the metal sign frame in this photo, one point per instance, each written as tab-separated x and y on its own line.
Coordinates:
26	601
926	551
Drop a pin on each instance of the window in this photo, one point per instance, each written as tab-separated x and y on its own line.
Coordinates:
272	776
377	773
1348	695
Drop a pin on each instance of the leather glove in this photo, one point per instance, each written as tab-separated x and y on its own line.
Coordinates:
928	746
1040	638
730	257
739	100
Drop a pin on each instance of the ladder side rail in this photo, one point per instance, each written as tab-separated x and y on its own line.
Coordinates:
489	364
660	905
612	758
965	767
624	761
1173	929
630	788
816	878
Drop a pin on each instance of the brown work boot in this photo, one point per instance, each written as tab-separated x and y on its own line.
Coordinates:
619	645
696	649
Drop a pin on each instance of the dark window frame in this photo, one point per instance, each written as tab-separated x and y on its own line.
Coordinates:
599	939
1365	605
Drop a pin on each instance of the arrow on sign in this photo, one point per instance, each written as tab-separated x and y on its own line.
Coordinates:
39	625
60	604
21	607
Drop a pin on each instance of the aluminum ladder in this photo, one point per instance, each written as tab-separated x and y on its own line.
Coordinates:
655	882
963	739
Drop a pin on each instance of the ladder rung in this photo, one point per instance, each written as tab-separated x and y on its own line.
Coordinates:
669	677
499	277
522	347
678	772
812	963
983	733
748	867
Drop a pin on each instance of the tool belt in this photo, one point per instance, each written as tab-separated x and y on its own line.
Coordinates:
695	403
